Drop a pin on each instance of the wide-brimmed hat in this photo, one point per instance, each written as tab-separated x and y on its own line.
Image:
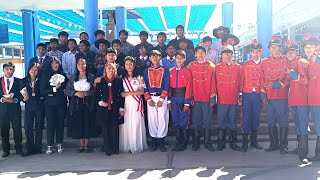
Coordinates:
225	29
226	37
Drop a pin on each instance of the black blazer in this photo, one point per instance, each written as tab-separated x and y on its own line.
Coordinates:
103	95
52	98
16	87
142	65
45	64
34	102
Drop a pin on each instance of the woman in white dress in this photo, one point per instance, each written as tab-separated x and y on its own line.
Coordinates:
132	131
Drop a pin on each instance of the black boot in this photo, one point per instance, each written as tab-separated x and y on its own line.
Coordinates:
162	147
196	140
29	150
207	142
274	142
283	140
245	142
303	149
253	140
154	144
316	156
295	151
233	140
221	139
179	138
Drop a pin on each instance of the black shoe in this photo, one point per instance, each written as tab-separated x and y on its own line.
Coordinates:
253	140
5	154
179	146
245	141
207	141
233	141
221	139
196	140
87	149
108	153
80	149
161	145
28	153
274	142
154	144
20	152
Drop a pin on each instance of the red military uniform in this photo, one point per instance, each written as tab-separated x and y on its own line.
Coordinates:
204	86
274	70
314	84
181	79
298	94
228	82
250	77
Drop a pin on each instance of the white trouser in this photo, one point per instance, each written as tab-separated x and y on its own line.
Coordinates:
158	118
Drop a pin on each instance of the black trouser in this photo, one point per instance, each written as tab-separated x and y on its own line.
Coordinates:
55	123
15	118
33	121
111	136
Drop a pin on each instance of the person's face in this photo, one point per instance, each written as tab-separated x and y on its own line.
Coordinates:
63	39
256	54
110	70
155	60
54	45
123	37
100	36
102	47
310	49
183	45
84	37
231	41
116	47
33	71
226	57
143	38
180	32
41	51
129	66
161	39
291	55
83	47
180	60
8	71
55	66
207	43
111	57
72	45
142	51
200	55
221	33
274	50
170	51
81	66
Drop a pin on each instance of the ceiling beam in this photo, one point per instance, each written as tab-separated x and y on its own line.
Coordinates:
144	25
163	19
187	17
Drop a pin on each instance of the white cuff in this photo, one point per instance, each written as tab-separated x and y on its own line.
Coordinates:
169	102
161	99
54	89
100	103
187	104
16	100
1	100
149	100
240	93
121	110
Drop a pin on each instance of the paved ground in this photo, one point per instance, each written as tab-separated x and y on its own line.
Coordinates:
156	165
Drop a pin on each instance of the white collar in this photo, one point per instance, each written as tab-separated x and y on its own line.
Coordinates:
10	79
144	58
168	57
43	57
257	62
179	68
179	37
201	62
72	53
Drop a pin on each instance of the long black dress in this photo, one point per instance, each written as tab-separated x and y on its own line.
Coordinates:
109	119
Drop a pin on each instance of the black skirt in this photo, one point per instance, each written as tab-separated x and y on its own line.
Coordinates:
82	124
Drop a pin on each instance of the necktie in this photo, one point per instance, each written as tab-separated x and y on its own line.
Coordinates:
8	85
171	59
40	60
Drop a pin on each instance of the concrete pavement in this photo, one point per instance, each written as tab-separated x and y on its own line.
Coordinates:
157	165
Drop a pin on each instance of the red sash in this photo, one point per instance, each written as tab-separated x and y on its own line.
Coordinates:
135	97
4	89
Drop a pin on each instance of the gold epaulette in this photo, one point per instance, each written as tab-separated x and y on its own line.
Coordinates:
172	68
303	61
211	65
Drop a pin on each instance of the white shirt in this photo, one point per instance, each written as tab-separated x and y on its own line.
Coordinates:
11	80
144	58
69	65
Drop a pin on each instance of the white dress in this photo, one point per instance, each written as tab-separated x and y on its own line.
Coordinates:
132	133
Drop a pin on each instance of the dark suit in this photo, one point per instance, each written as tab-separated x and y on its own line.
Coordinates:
11	112
45	62
108	119
34	116
141	65
55	108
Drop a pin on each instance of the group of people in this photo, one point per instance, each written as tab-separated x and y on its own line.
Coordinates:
117	91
